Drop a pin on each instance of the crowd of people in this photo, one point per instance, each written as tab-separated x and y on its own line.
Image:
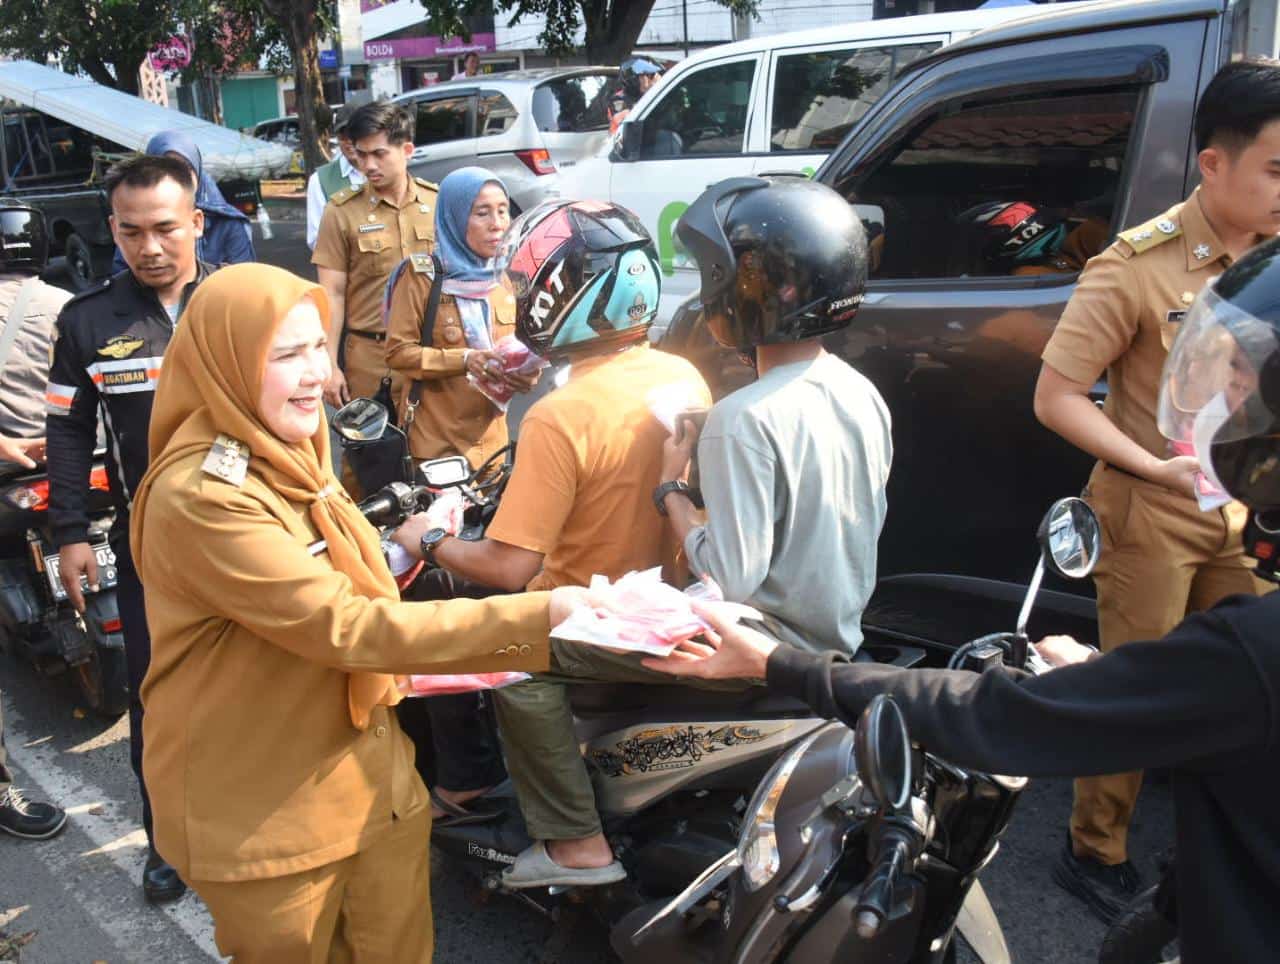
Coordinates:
209	375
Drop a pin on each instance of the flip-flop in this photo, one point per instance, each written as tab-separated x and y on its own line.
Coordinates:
535	868
456	816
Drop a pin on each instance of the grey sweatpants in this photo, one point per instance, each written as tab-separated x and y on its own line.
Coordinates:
536	723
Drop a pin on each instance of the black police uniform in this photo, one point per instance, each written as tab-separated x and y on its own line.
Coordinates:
1204	702
107	357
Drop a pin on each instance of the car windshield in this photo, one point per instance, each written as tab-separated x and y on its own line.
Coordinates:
574	105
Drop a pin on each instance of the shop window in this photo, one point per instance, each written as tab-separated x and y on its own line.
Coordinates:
706	113
1060	154
494	114
573	105
442	119
819	96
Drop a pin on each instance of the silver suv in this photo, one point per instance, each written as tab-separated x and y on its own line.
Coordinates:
521	124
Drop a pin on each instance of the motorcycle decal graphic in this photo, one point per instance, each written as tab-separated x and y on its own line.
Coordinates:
672	748
488	853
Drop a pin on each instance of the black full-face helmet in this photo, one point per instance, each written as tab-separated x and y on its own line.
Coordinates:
1014	232
781	259
1220	391
24	238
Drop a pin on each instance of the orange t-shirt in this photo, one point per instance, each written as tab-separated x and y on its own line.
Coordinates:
588	459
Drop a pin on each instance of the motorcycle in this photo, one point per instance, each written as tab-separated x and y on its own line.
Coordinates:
751	830
38	622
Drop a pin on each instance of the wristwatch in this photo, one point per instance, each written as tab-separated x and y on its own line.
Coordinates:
666	488
431	539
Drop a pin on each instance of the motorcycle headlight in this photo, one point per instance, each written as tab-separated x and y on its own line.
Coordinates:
758	842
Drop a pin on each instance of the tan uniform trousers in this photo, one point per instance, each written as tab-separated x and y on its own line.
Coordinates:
543	758
371	908
1162	558
364	363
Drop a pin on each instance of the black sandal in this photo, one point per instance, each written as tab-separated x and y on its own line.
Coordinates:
456	816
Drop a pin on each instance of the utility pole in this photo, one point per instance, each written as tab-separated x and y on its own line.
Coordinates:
684	15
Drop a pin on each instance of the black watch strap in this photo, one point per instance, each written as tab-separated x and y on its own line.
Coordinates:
666	488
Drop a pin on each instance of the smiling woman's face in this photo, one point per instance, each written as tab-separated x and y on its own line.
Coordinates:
293	378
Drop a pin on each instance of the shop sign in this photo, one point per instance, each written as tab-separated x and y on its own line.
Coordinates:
424	48
171	54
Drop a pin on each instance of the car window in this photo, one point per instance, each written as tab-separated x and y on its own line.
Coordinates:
573	104
442	119
494	114
704	113
819	96
28	152
944	189
72	147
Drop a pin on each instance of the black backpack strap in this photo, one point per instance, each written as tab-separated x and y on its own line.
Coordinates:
425	338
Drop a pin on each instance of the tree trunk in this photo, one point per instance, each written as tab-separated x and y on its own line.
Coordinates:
612	27
298	18
127	68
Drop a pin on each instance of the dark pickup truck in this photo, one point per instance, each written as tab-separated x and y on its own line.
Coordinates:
1085	109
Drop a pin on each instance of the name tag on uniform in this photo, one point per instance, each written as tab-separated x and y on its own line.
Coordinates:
366	228
1175	317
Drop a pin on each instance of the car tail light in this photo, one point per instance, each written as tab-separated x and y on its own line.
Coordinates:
34	496
538	161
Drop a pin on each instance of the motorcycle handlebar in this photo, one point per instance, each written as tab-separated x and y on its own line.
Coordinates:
898	845
392	504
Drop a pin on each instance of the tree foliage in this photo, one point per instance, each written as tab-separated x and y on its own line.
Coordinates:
610	27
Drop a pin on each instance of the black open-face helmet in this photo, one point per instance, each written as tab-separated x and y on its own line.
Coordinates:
781	259
24	238
1220	391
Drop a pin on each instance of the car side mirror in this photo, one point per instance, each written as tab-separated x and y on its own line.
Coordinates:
361	420
630	140
882	751
446	472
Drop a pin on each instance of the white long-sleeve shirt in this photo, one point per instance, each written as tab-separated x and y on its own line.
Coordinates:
316	199
794	468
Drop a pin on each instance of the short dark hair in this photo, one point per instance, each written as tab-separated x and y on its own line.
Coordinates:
1242	98
381	117
148	170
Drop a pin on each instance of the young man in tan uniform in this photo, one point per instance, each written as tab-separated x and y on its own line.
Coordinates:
1164	556
363	235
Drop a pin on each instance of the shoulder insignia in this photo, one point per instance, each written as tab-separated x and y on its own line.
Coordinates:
228	459
1151	234
343	196
121	346
423	264
427	184
95	289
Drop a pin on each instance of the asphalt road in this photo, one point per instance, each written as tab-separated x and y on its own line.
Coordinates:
76	898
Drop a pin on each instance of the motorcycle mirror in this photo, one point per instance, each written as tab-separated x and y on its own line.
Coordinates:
361	420
882	751
1070	538
442	473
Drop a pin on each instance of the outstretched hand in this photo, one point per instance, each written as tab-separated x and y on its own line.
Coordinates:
728	651
24	451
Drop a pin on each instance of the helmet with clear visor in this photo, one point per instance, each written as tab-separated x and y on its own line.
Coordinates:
1220	391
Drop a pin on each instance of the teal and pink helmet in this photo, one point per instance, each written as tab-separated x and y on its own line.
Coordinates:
585	277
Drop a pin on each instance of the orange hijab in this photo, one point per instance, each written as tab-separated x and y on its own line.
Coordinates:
210	385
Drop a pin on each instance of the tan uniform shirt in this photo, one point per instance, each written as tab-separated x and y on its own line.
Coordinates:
1126	310
366	236
254	767
453	417
589	458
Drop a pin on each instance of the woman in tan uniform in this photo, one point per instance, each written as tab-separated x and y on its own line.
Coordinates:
284	791
453	417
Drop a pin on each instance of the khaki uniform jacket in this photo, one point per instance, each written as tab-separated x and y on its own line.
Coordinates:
253	765
366	236
453	417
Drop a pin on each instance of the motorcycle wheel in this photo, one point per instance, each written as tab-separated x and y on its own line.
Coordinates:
104	681
1141	935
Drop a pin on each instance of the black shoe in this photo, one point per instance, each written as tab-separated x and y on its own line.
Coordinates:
160	882
1107	890
26	818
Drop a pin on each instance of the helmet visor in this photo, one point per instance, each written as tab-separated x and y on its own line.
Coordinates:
1212	373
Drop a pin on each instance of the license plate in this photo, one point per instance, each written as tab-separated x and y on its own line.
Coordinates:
106	572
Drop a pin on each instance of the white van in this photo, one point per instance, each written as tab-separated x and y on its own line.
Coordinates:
777	103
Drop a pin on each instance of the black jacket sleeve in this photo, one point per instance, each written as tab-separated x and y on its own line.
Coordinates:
71	427
1193	694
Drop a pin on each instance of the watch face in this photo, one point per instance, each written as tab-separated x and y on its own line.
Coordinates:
431	538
